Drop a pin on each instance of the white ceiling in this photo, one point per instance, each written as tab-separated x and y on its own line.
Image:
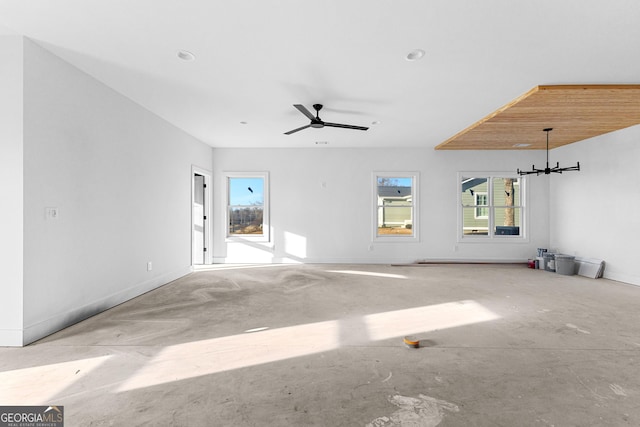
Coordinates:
256	58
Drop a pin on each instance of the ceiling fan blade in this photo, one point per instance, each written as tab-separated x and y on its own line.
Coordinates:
296	130
338	125
304	111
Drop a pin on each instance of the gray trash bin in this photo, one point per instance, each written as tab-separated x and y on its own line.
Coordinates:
565	264
549	262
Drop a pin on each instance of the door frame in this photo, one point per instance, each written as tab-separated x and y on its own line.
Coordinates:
195	170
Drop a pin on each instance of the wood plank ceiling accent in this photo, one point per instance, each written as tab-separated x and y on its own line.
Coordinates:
575	112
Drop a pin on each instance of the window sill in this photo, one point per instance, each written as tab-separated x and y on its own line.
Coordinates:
494	239
244	239
395	239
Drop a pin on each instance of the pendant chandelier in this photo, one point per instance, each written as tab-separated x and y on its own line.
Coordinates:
548	170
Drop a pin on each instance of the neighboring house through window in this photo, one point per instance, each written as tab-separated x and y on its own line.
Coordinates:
492	205
395	210
481	201
247	205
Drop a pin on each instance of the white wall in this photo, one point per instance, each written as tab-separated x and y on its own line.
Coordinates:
11	183
121	179
595	211
312	223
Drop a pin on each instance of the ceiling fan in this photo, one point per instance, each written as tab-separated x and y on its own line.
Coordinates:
316	122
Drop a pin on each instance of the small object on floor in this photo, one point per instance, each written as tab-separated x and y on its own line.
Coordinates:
411	342
589	267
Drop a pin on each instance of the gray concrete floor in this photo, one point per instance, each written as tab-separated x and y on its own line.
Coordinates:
322	345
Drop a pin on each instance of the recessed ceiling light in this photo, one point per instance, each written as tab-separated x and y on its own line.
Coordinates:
243	122
521	145
415	54
186	55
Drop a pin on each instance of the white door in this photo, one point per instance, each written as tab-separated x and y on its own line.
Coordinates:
199	220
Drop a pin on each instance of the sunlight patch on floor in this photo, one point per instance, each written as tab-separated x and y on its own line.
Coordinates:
215	267
39	384
199	358
369	273
206	357
391	324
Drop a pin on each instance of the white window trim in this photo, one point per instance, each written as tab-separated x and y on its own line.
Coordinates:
491	237
415	218
266	223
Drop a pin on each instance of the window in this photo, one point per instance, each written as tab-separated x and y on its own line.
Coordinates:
395	206
247	205
491	206
481	200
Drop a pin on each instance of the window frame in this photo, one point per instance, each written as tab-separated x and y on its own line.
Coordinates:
491	236
415	226
266	223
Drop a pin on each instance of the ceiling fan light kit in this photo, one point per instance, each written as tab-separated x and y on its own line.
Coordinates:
547	170
316	122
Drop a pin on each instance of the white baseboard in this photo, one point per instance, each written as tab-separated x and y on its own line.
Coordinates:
60	321
10	338
285	260
625	278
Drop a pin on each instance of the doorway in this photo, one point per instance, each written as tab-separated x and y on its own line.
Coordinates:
200	214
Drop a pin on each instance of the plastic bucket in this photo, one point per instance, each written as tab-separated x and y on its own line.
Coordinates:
549	262
565	264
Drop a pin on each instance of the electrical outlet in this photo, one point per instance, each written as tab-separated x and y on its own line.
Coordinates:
51	213
370	247
149	266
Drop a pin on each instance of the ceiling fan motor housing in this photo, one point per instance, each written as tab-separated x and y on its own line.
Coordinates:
316	122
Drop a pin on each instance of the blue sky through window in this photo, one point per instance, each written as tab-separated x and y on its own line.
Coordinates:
246	191
397	181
